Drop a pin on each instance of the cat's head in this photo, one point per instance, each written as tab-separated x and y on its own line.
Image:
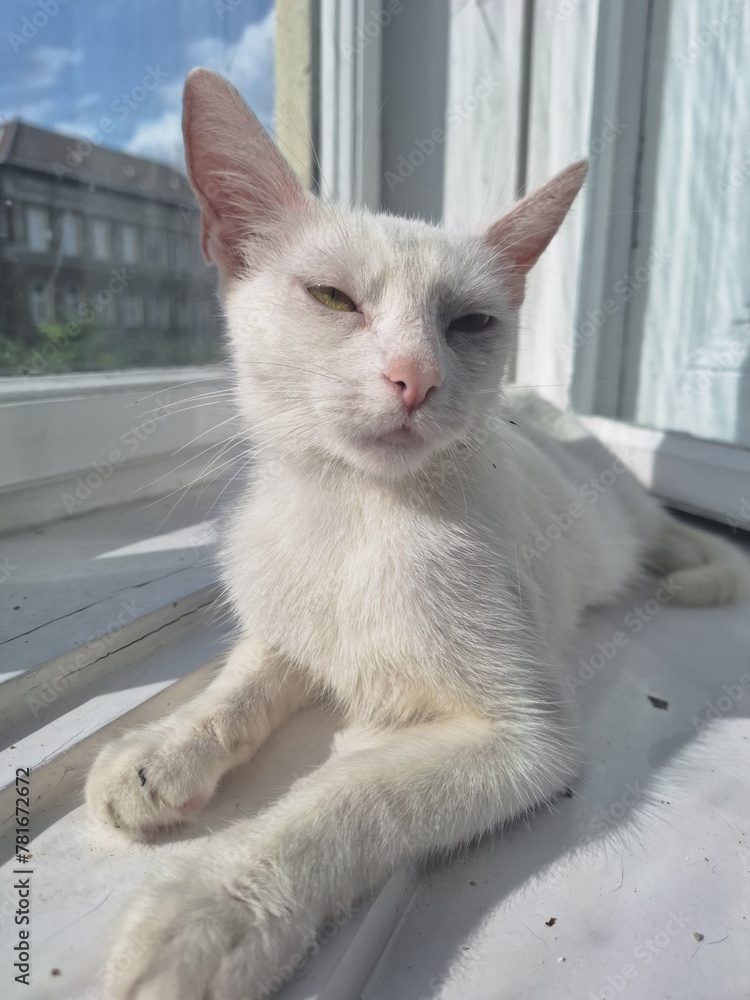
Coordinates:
366	338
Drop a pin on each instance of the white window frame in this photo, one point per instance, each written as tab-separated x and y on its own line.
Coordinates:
135	434
350	112
693	474
697	475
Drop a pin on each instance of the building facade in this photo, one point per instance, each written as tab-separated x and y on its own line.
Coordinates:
100	262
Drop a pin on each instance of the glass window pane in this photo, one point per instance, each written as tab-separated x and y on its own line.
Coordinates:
100	261
37	225
70	235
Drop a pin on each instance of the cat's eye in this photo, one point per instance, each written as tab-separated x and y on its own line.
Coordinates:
332	298
470	323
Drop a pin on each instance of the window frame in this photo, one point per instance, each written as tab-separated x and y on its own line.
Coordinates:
628	34
57	430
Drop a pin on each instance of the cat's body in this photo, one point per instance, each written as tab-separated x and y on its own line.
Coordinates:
414	546
324	564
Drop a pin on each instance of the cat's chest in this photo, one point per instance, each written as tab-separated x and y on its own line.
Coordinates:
359	588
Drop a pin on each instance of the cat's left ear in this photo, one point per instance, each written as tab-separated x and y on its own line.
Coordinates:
244	185
521	235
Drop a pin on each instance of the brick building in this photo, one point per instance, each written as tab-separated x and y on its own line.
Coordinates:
100	264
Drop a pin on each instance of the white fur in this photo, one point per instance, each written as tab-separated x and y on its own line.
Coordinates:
400	579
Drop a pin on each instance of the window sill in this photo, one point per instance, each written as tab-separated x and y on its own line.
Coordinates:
701	477
655	827
72	443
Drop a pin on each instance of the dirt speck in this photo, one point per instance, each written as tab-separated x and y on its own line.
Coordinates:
551	922
658	702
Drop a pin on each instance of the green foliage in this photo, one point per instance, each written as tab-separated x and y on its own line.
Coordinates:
90	346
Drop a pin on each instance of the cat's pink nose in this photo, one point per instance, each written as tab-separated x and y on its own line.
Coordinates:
413	381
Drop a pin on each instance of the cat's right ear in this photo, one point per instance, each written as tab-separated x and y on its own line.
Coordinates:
242	183
520	236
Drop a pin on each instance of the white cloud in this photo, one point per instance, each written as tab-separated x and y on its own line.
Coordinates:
31	111
87	101
48	62
248	64
159	139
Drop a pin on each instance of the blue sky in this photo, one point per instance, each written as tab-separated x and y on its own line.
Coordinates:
69	71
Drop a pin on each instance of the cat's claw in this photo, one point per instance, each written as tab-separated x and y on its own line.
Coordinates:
143	782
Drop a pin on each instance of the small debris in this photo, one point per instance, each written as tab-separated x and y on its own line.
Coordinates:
142	776
472	883
697	936
562	959
658	702
513	422
55	972
568	793
551	922
464	947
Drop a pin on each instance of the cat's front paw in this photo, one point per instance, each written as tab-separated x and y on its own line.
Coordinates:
197	936
151	778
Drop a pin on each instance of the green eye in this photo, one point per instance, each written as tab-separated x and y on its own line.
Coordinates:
471	322
332	298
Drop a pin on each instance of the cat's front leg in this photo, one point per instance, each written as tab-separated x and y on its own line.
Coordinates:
160	773
237	920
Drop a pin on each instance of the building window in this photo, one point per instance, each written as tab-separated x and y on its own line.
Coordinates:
158	310
130	248
41	304
70	235
71	302
155	248
38	229
100	239
132	311
179	252
162	310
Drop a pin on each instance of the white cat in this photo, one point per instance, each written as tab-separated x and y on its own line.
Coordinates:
387	555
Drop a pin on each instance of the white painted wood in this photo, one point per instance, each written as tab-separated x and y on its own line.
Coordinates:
68	443
367	152
562	86
350	103
643	870
625	853
36	698
694	475
693	372
40	387
96	427
483	124
606	255
62	749
77	595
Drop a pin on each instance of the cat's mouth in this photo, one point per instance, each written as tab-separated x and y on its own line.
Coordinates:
403	436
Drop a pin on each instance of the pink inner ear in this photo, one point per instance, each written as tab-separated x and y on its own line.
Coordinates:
242	182
520	237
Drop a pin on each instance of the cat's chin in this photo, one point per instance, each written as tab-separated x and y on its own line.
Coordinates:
393	454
